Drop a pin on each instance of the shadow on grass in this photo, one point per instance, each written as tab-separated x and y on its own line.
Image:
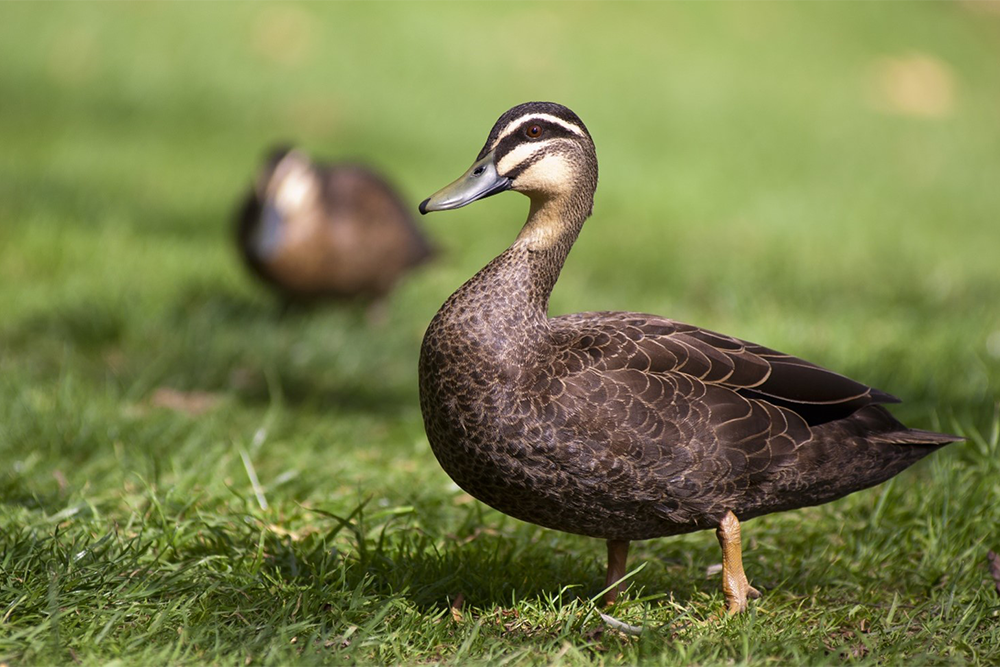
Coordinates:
213	339
219	304
489	563
87	325
309	357
308	393
222	304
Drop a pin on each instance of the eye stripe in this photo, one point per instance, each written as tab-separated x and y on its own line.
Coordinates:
523	166
551	135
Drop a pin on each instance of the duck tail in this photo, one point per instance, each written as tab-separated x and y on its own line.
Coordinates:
876	424
915	436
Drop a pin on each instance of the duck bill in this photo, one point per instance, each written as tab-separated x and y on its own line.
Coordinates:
479	182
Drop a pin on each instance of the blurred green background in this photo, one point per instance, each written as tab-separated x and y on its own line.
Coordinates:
821	178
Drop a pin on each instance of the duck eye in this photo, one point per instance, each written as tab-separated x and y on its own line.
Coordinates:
534	131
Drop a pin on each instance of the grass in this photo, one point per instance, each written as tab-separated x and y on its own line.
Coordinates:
189	478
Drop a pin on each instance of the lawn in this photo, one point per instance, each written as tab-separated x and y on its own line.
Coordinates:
189	476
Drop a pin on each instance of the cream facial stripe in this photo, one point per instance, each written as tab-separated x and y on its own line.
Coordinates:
523	152
556	120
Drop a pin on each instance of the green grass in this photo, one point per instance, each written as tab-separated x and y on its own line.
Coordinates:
754	181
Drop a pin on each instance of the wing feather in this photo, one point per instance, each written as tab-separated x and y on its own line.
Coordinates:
610	341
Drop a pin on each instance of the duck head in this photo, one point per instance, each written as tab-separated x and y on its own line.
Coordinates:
540	149
288	182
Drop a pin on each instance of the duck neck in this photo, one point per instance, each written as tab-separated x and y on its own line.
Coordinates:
542	246
512	292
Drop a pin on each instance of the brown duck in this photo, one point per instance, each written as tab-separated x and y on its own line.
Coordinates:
327	231
626	426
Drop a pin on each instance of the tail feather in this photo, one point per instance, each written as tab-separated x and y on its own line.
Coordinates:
876	424
915	436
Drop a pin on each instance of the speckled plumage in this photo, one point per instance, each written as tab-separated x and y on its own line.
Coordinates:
342	233
627	426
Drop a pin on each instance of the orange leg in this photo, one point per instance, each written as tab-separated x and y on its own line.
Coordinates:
734	581
617	556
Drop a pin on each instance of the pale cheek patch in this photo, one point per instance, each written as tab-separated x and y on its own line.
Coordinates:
551	174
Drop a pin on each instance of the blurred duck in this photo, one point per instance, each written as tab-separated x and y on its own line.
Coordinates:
327	231
626	426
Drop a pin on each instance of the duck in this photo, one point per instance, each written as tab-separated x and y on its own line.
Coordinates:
317	232
626	426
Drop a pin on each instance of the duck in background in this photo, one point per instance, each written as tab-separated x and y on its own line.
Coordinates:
318	232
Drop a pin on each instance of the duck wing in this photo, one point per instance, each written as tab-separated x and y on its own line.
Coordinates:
695	423
608	341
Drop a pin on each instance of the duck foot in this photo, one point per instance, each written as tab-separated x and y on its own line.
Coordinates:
617	557
735	586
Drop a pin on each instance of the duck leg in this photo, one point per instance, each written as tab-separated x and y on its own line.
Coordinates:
617	556
734	581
